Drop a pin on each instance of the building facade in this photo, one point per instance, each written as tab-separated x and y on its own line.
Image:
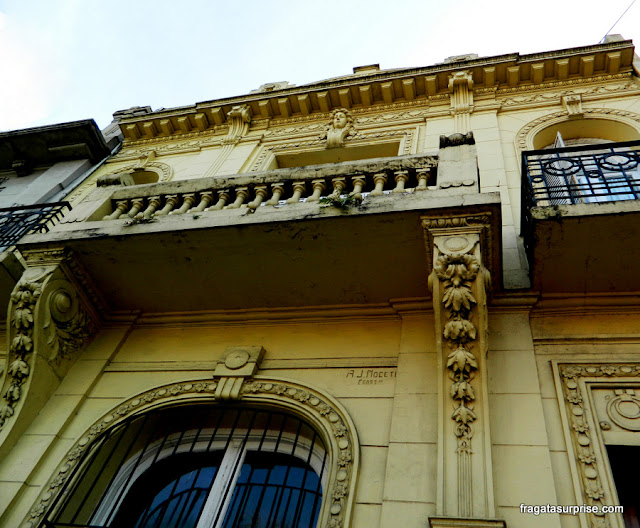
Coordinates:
38	168
394	298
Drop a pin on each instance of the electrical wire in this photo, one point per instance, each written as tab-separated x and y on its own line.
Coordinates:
616	22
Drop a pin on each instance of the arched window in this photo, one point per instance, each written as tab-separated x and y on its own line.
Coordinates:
199	466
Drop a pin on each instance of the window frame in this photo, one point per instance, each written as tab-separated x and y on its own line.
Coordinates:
317	409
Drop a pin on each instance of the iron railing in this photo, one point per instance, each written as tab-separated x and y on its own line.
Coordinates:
584	174
159	469
15	222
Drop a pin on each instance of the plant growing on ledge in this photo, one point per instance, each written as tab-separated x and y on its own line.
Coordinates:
341	202
140	220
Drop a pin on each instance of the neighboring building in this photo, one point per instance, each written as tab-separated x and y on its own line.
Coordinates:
38	168
389	299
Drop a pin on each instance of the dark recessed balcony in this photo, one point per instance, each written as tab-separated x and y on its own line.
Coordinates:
580	204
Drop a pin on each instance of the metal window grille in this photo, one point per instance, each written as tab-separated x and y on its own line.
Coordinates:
197	466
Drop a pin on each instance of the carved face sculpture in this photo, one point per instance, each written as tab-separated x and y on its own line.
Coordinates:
339	120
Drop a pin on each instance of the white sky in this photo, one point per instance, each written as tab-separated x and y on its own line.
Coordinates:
64	60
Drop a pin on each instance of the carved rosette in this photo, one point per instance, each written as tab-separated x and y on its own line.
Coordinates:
47	319
583	440
318	409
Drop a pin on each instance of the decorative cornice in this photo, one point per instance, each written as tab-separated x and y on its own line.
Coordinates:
596	81
314	406
370	91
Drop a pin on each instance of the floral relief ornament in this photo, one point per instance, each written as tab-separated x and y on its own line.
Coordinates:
24	299
457	272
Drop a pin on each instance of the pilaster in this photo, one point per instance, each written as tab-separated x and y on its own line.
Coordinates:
459	248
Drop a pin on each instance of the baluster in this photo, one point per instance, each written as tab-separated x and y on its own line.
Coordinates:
379	180
121	207
154	202
318	188
401	178
170	201
261	193
241	195
187	202
423	176
136	205
277	189
206	198
358	184
223	198
339	185
298	190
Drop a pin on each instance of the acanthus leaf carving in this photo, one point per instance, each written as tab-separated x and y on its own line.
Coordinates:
459	282
46	318
23	301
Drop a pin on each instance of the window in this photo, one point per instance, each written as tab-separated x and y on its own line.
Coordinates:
604	174
199	466
584	170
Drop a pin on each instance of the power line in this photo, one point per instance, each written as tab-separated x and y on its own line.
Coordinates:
616	22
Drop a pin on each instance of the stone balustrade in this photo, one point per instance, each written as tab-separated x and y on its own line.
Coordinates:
277	188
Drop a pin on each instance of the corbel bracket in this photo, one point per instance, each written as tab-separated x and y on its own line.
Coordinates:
239	118
51	318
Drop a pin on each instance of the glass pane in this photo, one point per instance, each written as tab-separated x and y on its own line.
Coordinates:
274	491
171	494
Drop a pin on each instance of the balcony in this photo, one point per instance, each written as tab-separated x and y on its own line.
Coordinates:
332	234
15	222
580	205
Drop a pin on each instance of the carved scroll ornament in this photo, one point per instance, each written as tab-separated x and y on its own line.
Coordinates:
47	318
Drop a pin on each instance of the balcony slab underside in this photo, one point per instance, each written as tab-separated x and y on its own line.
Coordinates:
590	248
301	255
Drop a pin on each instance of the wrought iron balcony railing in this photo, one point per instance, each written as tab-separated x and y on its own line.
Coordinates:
15	222
584	174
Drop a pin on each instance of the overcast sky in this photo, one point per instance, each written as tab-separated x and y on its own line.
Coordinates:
64	60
